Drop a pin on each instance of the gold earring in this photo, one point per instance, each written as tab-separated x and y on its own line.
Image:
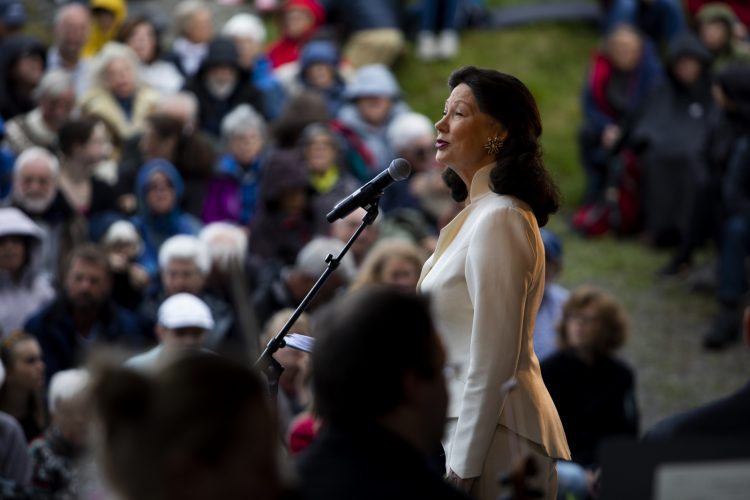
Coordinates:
493	145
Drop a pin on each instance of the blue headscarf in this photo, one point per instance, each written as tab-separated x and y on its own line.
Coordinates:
155	229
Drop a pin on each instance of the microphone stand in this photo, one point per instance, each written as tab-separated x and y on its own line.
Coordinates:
266	363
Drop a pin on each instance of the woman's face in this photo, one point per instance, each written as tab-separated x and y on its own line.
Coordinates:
12	253
320	154
400	272
160	194
248	49
26	369
297	22
143	42
714	35
582	327
246	145
462	132
120	78
687	69
98	147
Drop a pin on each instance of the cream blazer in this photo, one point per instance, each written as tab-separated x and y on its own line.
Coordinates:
486	280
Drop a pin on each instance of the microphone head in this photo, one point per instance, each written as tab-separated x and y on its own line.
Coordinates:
399	169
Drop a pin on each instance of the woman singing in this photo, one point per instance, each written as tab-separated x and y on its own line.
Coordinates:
486	280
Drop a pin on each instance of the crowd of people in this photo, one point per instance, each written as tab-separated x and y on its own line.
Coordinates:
663	141
164	193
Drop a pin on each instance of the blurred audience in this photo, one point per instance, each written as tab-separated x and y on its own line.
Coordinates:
21	393
22	64
69	35
83	315
63	465
141	34
553	300
593	390
24	286
106	18
55	99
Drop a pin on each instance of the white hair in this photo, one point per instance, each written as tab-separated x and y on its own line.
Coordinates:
112	51
35	153
54	83
407	128
240	119
226	243
311	259
182	98
122	231
185	247
65	386
245	25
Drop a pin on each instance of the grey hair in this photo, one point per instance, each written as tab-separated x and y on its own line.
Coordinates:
245	25
65	386
185	247
112	51
54	83
36	153
240	119
184	11
311	259
408	127
226	243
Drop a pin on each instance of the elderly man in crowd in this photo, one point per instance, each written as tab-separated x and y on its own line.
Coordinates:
184	266
55	97
36	193
182	326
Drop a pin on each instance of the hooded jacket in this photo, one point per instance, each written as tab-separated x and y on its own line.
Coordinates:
373	80
21	297
733	51
97	37
323	52
156	229
212	109
287	49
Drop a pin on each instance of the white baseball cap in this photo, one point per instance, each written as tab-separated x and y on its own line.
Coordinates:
185	310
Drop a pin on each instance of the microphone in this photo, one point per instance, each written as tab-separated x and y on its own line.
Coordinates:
398	170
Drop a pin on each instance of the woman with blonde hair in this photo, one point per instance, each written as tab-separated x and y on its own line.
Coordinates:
392	261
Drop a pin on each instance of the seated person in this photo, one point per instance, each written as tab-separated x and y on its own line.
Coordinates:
183	323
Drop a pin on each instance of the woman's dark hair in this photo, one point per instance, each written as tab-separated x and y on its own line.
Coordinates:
520	171
75	133
192	156
34	403
128	27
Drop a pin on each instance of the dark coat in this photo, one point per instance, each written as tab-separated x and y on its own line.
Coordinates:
368	462
594	401
62	347
729	416
11	50
212	110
